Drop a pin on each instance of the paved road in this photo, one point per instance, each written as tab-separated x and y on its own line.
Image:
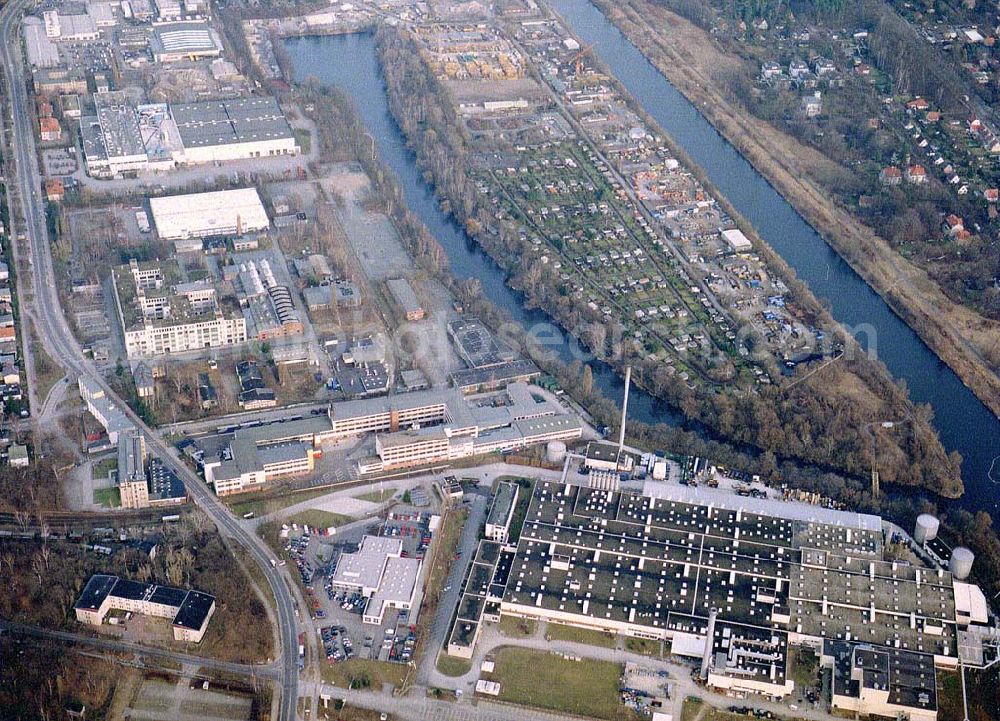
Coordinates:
62	346
428	673
12	628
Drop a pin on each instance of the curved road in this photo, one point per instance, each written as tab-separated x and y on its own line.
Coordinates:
62	346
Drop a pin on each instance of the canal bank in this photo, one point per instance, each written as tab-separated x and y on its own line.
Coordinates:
963	422
349	62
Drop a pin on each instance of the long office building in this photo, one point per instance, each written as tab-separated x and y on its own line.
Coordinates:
107	413
441	426
411	429
733	582
161	314
264	453
132	484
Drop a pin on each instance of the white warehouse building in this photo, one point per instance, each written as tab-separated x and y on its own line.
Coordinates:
202	215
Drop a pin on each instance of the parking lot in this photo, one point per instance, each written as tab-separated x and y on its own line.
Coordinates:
338	613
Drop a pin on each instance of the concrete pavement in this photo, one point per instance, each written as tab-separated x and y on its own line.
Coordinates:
428	674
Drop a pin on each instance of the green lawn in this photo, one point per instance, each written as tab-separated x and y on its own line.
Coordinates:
644	646
377	496
364	673
453	666
694	708
108	497
691	707
517	627
319	519
949	696
560	632
304	139
804	665
263	505
101	469
546	680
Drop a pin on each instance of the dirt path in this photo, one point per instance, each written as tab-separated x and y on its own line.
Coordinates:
689	59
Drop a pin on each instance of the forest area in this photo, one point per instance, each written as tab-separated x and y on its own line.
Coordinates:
809	421
43	579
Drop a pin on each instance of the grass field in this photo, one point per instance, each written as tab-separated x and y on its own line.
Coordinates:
546	680
102	468
560	632
452	666
645	646
261	506
47	371
377	496
304	139
364	673
949	696
695	708
804	665
517	627
108	497
319	519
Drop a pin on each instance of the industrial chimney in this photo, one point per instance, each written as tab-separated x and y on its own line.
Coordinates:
621	432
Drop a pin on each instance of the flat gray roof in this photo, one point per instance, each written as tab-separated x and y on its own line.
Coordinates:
119	124
282	452
364	567
503	504
793	511
649	561
402	291
225	122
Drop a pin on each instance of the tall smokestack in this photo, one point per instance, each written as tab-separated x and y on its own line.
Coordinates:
621	432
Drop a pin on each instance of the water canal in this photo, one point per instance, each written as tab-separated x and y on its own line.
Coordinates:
964	423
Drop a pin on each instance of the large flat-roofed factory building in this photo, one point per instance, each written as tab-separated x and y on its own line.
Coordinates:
734	582
221	130
112	140
204	215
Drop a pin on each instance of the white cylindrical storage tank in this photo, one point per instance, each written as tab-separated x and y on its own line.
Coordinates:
926	528
960	563
555	452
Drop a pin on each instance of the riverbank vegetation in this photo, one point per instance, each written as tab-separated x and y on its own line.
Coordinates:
348	143
821	419
889	99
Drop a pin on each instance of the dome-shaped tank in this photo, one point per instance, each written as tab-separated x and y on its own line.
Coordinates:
555	452
960	563
926	528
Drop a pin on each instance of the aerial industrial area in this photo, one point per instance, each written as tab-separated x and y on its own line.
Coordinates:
273	447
